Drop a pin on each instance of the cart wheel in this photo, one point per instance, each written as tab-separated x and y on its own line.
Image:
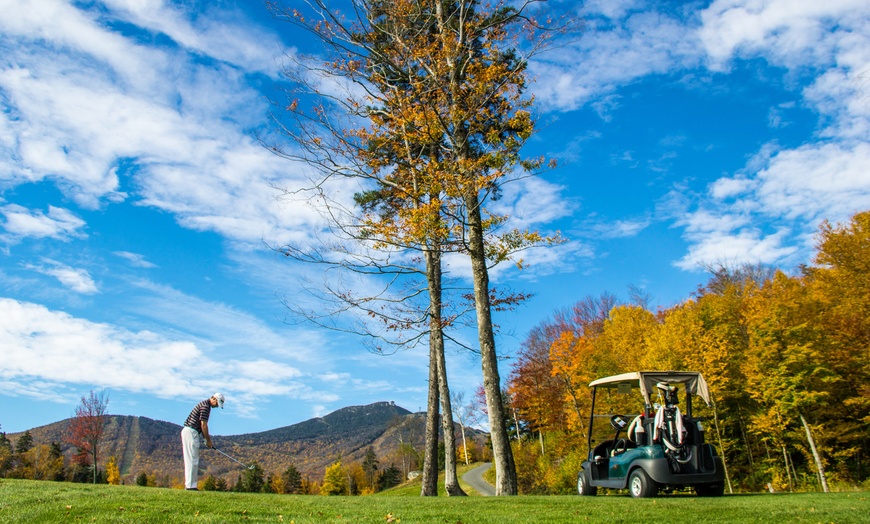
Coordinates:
640	485
583	487
716	489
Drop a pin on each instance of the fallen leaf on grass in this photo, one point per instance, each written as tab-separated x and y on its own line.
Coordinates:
391	518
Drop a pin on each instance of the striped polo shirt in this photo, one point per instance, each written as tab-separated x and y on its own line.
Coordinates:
199	414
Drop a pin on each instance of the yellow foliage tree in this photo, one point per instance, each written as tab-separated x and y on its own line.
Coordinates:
113	475
467	452
625	340
277	484
335	480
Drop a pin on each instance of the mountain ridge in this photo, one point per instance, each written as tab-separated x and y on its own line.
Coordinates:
145	445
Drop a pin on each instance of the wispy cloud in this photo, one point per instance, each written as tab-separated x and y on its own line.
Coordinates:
618	45
135	259
76	279
89	106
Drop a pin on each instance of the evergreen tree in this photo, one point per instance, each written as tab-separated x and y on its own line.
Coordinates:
292	480
390	477
55	454
5	454
142	479
252	480
25	442
370	467
209	483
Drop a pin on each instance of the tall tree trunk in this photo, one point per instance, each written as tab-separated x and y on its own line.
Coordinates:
451	481
438	359
436	335
819	465
505	470
430	456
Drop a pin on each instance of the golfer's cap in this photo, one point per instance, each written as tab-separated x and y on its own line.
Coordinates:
220	398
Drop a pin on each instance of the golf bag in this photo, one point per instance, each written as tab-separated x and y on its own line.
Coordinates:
669	429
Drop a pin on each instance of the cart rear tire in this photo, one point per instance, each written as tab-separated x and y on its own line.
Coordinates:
717	489
640	485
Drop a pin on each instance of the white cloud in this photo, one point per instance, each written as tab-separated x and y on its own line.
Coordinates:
222	327
77	33
793	33
729	187
46	350
58	223
531	202
624	228
828	45
816	182
745	246
76	279
611	8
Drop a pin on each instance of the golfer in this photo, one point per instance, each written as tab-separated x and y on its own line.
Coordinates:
196	425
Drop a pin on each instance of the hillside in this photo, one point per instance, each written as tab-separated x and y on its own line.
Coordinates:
145	445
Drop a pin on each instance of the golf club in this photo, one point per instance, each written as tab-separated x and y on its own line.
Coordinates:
233	458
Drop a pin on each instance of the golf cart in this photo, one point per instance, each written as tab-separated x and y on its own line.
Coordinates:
660	449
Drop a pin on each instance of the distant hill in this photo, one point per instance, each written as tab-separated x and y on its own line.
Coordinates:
142	444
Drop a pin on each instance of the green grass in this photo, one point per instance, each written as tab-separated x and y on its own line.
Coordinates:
56	502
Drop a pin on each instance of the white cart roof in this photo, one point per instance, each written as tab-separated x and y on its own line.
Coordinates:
647	380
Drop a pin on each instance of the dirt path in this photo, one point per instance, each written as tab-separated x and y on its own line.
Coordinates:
474	478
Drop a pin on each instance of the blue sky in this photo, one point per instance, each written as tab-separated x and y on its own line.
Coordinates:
136	206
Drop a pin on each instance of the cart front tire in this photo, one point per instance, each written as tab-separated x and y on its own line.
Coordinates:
583	487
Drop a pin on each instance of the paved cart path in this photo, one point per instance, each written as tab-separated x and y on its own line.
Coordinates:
474	478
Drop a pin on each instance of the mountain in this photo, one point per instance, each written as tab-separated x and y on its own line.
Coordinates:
142	444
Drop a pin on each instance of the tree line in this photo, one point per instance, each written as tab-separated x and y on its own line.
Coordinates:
787	359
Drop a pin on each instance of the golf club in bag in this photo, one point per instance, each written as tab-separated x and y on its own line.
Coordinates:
233	458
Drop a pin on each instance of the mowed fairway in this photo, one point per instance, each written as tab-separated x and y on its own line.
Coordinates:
34	502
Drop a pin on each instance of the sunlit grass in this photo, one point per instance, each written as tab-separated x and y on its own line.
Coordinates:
51	502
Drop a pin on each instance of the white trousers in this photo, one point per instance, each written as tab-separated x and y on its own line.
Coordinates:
190	448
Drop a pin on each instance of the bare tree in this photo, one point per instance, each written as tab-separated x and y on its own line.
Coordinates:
467	415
